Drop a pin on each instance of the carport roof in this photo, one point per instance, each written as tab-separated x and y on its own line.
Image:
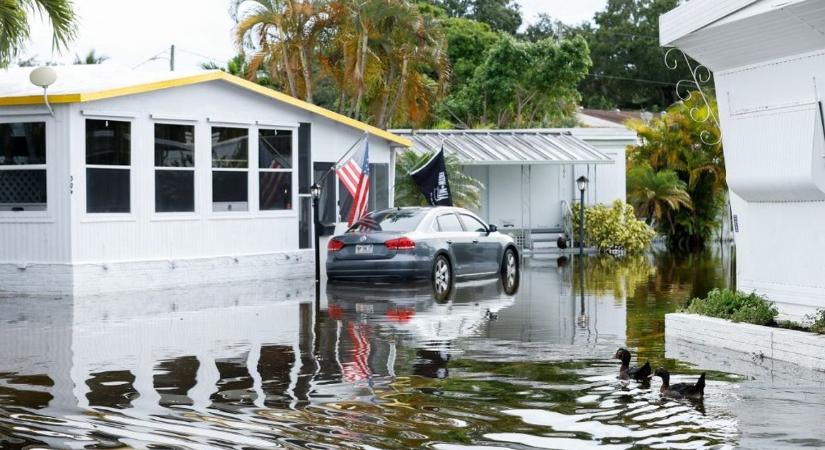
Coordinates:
503	147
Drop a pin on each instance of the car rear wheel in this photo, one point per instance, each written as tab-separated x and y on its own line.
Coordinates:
509	271
442	277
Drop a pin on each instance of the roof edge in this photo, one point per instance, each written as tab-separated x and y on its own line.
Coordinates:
202	78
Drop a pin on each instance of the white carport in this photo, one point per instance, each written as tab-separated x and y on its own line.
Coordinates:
529	175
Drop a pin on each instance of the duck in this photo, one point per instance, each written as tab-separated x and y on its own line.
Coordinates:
681	390
626	372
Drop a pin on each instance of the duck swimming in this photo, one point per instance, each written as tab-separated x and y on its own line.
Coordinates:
681	390
631	373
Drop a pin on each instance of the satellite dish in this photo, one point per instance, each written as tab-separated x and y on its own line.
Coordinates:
43	77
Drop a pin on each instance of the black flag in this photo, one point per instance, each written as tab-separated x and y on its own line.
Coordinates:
431	179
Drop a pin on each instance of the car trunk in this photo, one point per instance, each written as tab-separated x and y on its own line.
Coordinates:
366	245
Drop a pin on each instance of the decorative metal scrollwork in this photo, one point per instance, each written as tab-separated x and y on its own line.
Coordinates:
685	88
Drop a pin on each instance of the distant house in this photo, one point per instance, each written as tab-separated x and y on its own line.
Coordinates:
165	179
530	175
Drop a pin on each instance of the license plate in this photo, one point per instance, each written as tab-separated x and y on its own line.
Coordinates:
363	249
364	308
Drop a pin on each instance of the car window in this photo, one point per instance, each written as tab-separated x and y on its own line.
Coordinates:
400	220
449	223
473	224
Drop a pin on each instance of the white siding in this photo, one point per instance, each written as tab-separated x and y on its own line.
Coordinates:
144	235
41	239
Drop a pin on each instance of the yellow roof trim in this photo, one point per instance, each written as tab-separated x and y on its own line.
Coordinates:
201	78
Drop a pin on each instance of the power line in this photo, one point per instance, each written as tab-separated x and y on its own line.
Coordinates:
151	59
199	55
638	80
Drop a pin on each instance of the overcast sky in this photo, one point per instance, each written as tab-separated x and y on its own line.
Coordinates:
130	33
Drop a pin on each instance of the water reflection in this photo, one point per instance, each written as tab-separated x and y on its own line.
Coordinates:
373	366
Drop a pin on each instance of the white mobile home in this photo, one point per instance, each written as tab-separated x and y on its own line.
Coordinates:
530	175
142	180
768	62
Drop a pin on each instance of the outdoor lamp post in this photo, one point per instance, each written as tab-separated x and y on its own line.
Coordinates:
582	184
315	191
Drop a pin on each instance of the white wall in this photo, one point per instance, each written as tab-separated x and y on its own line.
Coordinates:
144	235
776	196
30	238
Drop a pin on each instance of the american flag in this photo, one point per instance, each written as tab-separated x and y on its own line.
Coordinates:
355	176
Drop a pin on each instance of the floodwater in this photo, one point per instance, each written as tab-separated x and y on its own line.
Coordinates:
369	367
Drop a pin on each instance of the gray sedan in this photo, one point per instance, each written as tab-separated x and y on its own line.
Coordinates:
439	243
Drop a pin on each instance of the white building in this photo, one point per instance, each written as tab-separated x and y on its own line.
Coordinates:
768	61
530	175
164	179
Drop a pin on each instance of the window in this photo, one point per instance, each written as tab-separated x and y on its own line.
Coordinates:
396	220
108	160
174	168
275	169
473	224
230	168
449	223
23	166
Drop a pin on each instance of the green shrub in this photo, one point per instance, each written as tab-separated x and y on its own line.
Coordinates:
817	321
735	306
614	226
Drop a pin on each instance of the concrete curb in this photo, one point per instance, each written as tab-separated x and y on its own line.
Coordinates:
758	342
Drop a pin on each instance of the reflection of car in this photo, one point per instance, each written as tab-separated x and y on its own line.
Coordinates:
439	243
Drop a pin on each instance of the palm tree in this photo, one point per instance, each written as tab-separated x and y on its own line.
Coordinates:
465	190
15	28
283	36
655	195
90	58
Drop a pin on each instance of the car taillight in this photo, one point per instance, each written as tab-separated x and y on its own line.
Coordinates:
335	245
402	243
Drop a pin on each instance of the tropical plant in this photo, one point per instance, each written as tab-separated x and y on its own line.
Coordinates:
15	29
465	190
736	306
615	227
500	15
678	142
90	58
655	195
282	36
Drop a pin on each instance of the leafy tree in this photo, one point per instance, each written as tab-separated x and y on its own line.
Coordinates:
523	84
90	58
628	64
545	27
692	149
468	42
655	195
500	15
15	28
465	190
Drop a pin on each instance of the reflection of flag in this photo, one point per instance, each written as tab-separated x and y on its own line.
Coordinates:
431	179
275	188
358	369
355	176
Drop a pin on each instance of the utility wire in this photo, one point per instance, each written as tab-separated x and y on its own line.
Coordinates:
199	55
638	80
151	59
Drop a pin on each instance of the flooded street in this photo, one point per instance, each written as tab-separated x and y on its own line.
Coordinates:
389	367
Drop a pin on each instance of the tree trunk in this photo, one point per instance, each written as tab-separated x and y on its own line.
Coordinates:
305	63
402	82
361	73
290	76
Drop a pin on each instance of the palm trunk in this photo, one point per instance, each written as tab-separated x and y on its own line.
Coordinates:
290	76
398	93
360	75
307	73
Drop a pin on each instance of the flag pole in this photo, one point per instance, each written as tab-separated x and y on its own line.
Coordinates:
334	166
440	150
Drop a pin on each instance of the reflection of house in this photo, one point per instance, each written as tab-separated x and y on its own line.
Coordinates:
164	179
530	175
768	63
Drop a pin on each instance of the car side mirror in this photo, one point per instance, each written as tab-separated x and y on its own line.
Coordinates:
491	229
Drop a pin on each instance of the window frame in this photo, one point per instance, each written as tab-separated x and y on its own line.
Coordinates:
293	211
458	219
461	219
108	216
44	215
172	215
251	149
